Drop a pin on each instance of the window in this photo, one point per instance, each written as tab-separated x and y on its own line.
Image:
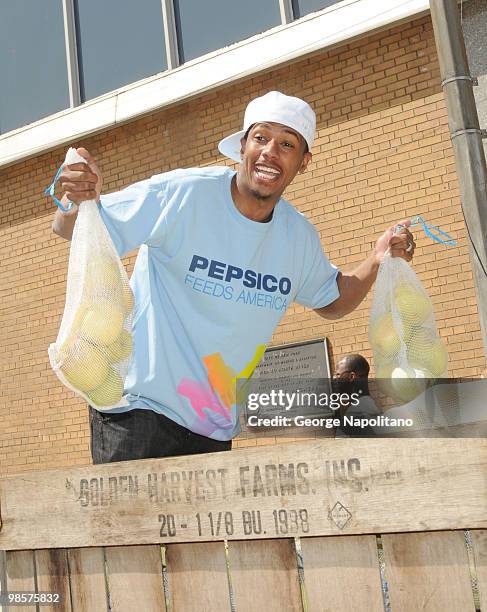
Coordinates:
212	24
303	7
118	43
33	72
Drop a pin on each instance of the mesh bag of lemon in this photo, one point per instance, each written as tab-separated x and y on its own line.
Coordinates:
94	344
408	351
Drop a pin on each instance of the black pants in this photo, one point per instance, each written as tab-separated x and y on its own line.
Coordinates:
144	434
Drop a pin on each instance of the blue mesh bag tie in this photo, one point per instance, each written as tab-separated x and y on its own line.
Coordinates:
49	191
440	236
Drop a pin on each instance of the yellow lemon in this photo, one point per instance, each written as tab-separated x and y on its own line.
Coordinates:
384	337
83	364
102	275
438	363
102	323
427	352
121	348
404	384
109	392
413	306
78	318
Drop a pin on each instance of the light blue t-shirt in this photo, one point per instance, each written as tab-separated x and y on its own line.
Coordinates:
210	287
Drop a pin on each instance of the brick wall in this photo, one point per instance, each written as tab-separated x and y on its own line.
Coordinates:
382	153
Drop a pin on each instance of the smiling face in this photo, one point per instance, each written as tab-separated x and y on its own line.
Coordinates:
272	155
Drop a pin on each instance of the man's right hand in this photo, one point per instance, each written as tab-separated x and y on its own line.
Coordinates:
81	182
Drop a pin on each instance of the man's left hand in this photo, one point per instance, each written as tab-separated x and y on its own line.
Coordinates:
399	240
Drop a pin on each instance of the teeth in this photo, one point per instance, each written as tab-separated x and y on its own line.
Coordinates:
268	176
266	170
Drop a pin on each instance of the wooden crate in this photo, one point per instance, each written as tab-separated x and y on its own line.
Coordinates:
324	525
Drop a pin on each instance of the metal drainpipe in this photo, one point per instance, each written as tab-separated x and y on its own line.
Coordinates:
466	138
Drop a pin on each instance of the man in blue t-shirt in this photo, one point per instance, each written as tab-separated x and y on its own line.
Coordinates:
221	257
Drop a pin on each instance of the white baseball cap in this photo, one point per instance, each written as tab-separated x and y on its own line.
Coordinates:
274	107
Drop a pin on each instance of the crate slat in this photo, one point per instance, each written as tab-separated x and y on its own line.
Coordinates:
53	576
3	571
264	576
428	571
479	544
20	574
197	577
135	578
342	573
87	579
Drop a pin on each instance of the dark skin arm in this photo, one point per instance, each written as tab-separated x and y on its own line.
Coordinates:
355	285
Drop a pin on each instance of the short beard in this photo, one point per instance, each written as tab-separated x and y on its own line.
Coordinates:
259	196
